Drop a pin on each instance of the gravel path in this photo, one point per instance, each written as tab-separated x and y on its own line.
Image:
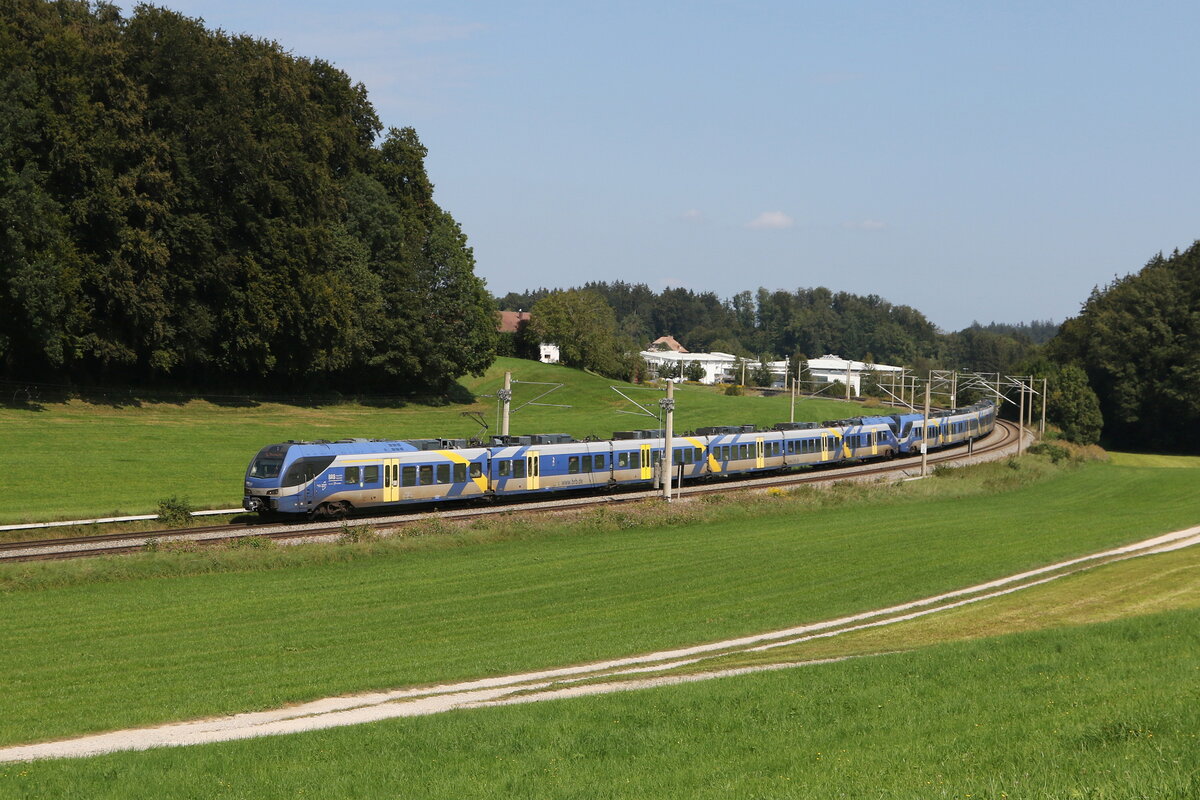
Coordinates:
571	681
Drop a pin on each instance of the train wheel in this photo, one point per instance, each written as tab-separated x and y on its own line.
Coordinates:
328	511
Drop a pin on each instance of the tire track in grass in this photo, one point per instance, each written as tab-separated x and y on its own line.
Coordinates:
589	679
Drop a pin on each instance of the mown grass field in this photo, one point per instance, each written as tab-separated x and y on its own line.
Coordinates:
76	460
1101	711
169	636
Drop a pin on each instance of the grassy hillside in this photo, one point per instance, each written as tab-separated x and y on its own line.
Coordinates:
107	646
77	459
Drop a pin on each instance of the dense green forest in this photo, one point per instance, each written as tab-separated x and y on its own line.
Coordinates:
1138	340
185	207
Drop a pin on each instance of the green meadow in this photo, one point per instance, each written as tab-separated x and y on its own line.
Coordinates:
77	459
118	642
1101	711
1083	687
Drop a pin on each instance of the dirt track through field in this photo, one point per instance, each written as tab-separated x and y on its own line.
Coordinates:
572	681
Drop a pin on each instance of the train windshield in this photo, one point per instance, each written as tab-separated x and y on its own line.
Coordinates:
268	462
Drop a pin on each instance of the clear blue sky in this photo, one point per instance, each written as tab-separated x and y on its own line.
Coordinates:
976	160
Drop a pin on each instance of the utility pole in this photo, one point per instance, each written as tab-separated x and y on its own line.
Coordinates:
505	402
1042	430
1030	409
954	390
1021	419
668	406
847	378
792	418
925	434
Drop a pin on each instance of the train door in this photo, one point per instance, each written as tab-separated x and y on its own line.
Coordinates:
533	470
759	455
647	467
874	442
391	480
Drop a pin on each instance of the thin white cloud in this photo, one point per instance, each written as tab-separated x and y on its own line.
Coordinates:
771	220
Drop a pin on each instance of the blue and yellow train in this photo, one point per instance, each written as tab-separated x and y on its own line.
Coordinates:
330	479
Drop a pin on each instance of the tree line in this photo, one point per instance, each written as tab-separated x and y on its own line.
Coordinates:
764	326
189	207
1138	342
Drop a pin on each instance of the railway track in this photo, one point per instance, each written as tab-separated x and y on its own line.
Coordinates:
997	444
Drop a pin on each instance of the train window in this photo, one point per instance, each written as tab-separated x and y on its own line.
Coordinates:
460	473
622	460
476	469
408	476
635	460
371	474
727	452
443	473
585	464
599	465
305	469
352	474
426	473
518	468
573	465
655	457
505	469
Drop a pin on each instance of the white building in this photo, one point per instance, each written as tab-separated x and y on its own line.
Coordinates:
727	368
831	368
717	366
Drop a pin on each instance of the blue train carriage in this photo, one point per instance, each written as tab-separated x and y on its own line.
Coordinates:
335	478
545	462
637	456
807	444
297	477
945	428
866	438
738	449
438	470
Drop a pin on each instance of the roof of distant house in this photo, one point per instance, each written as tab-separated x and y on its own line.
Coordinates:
511	320
668	342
